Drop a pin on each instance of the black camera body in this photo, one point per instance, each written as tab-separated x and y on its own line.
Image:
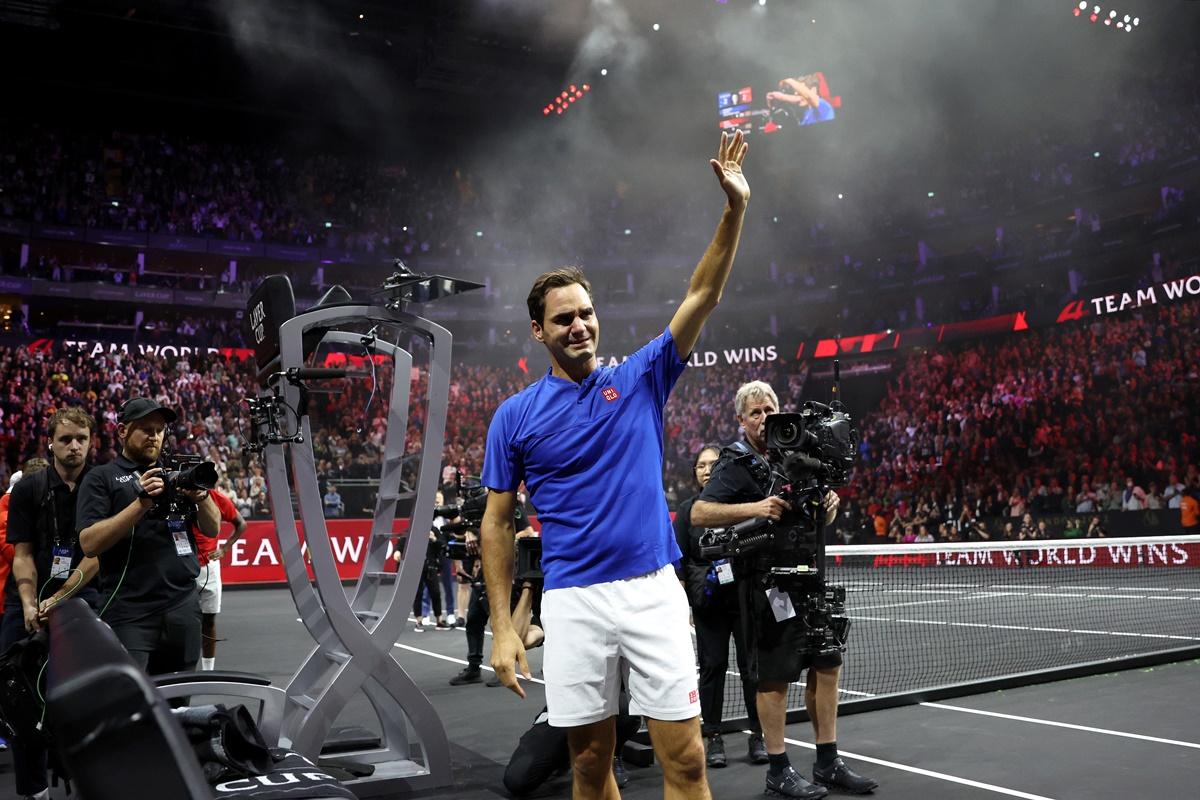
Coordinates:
817	443
529	560
461	517
811	451
181	472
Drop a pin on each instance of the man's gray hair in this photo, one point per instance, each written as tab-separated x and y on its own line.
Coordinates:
754	390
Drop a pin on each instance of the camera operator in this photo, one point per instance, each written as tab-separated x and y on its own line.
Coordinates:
525	596
137	517
716	614
48	564
735	493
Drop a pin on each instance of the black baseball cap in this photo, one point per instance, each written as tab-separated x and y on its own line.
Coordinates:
140	407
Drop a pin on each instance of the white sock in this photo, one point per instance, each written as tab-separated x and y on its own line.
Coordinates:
208	664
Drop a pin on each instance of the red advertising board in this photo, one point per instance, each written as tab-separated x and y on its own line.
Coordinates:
255	558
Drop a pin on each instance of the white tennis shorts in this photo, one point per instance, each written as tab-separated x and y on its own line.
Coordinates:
209	584
633	631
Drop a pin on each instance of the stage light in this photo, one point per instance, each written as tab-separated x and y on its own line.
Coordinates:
1082	5
478	234
840	195
587	88
627	231
405	229
1126	19
1096	154
116	204
930	194
1136	20
655	26
360	16
604	70
328	224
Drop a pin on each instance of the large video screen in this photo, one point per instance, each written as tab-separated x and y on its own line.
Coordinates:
790	102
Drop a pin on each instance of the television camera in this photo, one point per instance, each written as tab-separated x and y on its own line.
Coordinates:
467	515
461	517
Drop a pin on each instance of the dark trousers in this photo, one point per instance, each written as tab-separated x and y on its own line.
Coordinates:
477	618
168	642
714	626
429	582
29	755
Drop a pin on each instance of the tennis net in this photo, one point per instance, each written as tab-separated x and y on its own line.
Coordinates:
939	620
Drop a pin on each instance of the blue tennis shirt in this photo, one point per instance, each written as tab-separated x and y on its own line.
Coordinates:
591	457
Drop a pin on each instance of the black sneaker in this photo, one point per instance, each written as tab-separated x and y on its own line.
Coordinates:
757	749
840	776
714	751
790	783
619	773
468	675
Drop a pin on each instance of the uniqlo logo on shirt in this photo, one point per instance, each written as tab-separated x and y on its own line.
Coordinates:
610	394
693	696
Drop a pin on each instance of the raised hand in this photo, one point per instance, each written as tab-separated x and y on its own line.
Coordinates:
728	167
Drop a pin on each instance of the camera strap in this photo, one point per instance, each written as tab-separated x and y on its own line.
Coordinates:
760	471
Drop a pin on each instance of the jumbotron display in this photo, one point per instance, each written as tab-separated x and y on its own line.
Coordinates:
791	102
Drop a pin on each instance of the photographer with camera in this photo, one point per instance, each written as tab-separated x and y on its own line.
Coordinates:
744	487
716	614
524	596
48	564
136	513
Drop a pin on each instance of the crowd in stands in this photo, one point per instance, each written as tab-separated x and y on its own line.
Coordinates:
817	246
1066	421
1063	421
173	184
1021	436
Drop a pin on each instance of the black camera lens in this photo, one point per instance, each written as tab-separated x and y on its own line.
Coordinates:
197	476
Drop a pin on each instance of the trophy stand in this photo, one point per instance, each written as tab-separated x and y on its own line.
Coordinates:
353	635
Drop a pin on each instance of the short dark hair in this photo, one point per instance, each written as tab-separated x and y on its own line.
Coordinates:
72	414
554	279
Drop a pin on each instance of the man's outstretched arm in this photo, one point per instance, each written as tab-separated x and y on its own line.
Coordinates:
708	281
